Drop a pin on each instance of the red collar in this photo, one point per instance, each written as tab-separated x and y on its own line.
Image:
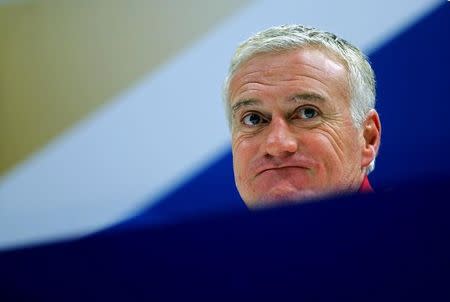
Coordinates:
365	186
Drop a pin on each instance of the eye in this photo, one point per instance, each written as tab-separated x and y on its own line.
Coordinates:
252	119
306	113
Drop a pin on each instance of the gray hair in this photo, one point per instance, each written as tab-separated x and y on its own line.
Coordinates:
283	38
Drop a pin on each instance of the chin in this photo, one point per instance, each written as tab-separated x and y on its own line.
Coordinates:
284	197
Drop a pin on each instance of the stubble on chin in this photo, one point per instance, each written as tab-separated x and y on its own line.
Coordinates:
275	198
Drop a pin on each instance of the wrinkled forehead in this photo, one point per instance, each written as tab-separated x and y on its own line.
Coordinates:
241	57
249	57
290	67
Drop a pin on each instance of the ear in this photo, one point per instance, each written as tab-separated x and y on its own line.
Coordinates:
371	138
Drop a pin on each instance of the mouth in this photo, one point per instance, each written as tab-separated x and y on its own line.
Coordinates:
280	168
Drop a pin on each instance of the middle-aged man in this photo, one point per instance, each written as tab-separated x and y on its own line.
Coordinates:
300	103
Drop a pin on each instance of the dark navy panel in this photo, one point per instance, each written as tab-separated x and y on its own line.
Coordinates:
413	82
391	246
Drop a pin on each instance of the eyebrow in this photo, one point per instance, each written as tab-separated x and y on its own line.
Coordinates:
308	96
244	103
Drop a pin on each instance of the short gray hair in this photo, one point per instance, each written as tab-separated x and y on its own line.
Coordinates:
283	38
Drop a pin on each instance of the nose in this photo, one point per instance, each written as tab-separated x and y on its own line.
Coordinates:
280	141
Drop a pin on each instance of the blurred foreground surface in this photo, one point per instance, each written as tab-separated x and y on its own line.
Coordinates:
388	246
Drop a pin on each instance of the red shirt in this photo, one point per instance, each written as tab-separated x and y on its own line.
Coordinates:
365	186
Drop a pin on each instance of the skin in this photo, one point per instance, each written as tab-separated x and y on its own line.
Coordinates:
293	137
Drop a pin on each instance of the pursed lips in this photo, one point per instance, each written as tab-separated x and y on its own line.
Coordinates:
279	168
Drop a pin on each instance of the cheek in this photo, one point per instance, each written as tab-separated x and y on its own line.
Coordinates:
243	151
335	149
326	147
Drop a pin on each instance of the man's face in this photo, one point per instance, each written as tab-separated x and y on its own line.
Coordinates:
292	133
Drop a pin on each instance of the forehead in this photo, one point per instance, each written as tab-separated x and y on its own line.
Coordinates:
307	70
